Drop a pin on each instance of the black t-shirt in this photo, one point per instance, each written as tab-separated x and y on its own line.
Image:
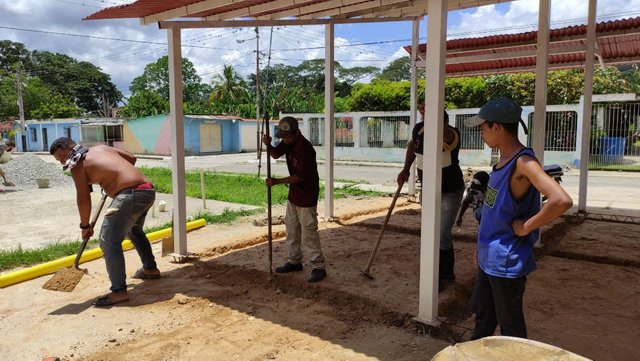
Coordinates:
452	179
301	161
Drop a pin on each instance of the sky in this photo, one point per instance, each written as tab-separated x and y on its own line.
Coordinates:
122	48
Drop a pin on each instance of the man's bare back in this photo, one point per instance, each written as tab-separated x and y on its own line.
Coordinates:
112	169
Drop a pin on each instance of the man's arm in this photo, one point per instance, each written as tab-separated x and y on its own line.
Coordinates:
528	170
292	179
126	155
409	157
83	197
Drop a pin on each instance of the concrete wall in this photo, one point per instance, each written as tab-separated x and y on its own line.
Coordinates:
54	128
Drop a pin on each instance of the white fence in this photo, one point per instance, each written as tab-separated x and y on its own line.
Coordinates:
383	136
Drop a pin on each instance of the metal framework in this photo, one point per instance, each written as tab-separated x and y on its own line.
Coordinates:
250	13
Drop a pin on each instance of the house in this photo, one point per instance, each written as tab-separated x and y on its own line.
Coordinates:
41	133
203	134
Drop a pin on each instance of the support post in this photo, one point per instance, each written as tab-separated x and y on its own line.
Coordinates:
586	106
329	122
415	33
432	160
542	61
23	135
176	117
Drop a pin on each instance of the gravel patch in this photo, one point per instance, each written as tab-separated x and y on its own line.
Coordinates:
24	169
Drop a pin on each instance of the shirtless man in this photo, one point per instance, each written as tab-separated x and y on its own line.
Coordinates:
5	146
133	195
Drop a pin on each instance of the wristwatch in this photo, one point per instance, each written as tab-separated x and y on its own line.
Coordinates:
85	226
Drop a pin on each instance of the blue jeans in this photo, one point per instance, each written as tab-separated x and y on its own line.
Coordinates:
125	217
449	207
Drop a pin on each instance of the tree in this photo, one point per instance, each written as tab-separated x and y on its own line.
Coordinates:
86	84
155	79
229	89
57	107
12	55
145	103
399	70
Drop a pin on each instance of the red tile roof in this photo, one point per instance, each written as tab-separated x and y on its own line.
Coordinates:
618	42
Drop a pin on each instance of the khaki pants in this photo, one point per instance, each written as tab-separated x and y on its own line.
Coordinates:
302	231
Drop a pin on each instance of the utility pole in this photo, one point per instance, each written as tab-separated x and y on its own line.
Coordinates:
21	110
259	141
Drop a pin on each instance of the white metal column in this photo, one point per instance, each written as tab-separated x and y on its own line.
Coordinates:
586	106
542	65
415	34
329	123
432	160
176	117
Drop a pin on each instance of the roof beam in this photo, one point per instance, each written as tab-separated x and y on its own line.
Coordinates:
314	7
257	9
411	9
253	23
185	11
453	59
355	7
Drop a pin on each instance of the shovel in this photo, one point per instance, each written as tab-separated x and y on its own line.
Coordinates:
67	279
365	272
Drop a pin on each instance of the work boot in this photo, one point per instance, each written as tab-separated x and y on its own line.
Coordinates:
317	275
289	267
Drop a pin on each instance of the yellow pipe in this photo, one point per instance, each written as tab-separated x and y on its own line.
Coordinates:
90	255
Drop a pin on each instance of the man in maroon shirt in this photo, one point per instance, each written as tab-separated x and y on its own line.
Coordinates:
304	187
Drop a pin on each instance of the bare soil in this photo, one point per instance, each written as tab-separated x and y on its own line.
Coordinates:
222	305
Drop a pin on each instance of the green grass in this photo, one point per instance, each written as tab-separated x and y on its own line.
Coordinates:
237	188
615	167
24	257
234	188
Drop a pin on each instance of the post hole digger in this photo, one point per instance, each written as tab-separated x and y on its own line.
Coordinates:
366	271
67	279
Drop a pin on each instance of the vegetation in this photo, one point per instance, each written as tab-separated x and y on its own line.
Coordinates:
236	188
54	85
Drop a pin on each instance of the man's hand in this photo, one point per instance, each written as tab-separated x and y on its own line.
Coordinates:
271	182
266	139
403	176
518	228
459	221
87	233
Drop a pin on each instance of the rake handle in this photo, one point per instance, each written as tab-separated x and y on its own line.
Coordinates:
384	227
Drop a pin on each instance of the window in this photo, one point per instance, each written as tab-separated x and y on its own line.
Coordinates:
34	134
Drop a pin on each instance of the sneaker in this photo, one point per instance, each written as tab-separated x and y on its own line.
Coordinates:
289	267
317	275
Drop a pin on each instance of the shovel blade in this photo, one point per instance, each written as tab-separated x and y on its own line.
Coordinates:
64	280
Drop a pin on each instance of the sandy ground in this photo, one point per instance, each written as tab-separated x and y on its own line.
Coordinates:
221	305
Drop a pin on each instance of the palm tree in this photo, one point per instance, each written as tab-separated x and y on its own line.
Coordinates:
229	87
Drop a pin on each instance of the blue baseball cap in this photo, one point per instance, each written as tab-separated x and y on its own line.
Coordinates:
499	110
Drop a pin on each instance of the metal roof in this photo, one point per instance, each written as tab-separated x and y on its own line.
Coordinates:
618	42
151	11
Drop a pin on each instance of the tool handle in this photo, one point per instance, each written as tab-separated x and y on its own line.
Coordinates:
384	227
83	245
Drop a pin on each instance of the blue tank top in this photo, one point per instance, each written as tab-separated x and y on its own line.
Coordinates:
500	252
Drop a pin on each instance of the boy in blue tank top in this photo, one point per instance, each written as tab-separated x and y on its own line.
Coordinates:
510	222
